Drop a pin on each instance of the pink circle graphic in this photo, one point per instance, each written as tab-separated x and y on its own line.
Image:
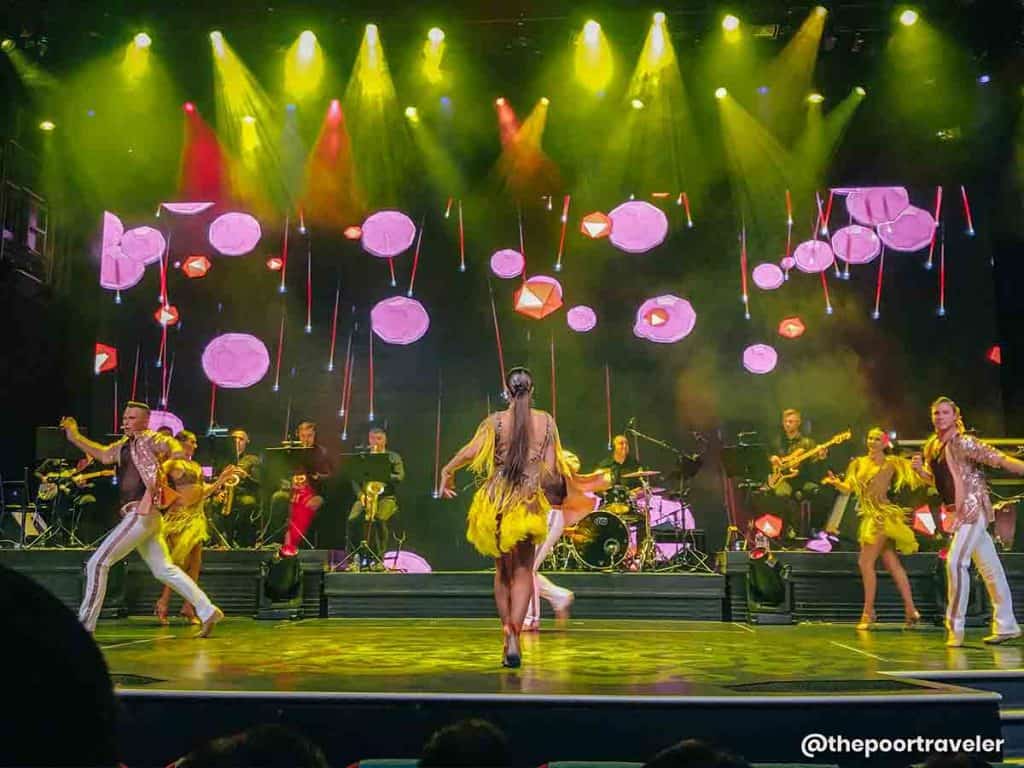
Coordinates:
159	419
399	320
813	256
118	273
113	229
787	263
235	360
507	263
388	233
856	244
638	226
873	205
911	231
581	318
760	358
768	277
405	561
235	234
187	209
143	244
665	319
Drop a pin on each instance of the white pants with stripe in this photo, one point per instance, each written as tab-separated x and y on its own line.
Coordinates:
143	533
972	542
542	585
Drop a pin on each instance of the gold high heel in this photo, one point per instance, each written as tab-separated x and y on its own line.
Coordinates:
912	620
867	621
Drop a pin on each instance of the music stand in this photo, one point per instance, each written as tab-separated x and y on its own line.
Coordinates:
362	469
284	462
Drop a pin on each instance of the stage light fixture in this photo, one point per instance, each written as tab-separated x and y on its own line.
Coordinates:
436	35
372	36
591	33
500	101
217	40
984	79
413	114
659	18
909	17
815	98
820	10
7	45
47	125
142	40
730	23
860	90
762	89
544	101
307	46
636	104
189	107
249	119
721	93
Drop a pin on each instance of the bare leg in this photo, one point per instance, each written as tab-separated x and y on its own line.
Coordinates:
164	601
891	560
502	590
866	562
521	561
192	567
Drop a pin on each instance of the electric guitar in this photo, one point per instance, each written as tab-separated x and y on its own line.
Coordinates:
50	486
789	466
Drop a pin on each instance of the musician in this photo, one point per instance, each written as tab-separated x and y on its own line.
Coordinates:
239	521
67	489
387	504
138	456
800	487
620	463
953	462
307	489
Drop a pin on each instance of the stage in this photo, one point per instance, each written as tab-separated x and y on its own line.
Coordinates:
595	689
380	660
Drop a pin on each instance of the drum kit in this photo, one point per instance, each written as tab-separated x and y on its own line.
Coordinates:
619	534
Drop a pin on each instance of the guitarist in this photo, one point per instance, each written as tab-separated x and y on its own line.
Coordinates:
800	488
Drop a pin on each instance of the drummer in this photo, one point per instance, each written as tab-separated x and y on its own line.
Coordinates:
620	463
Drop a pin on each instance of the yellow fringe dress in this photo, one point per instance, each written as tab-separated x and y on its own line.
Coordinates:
878	514
502	515
185	526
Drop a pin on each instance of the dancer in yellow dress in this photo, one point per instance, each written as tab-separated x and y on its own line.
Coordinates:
883	526
518	456
184	525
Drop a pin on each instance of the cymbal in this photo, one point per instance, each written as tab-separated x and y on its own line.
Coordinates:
641	473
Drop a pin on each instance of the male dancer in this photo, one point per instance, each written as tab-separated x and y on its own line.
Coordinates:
953	462
138	456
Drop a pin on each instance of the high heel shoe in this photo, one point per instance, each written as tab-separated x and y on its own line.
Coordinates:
511	657
912	620
867	621
188	613
160	611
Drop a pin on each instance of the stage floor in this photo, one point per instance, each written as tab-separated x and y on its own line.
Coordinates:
663	660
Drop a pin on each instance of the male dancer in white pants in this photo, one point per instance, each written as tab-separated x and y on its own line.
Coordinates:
574	508
953	462
138	456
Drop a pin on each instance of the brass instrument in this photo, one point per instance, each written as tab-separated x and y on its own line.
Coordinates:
371	492
788	466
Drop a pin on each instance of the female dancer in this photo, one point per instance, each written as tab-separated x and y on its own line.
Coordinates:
519	457
883	529
576	506
185	519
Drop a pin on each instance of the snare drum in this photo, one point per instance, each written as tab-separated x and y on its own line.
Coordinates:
599	540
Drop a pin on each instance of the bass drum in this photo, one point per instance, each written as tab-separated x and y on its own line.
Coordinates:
599	540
